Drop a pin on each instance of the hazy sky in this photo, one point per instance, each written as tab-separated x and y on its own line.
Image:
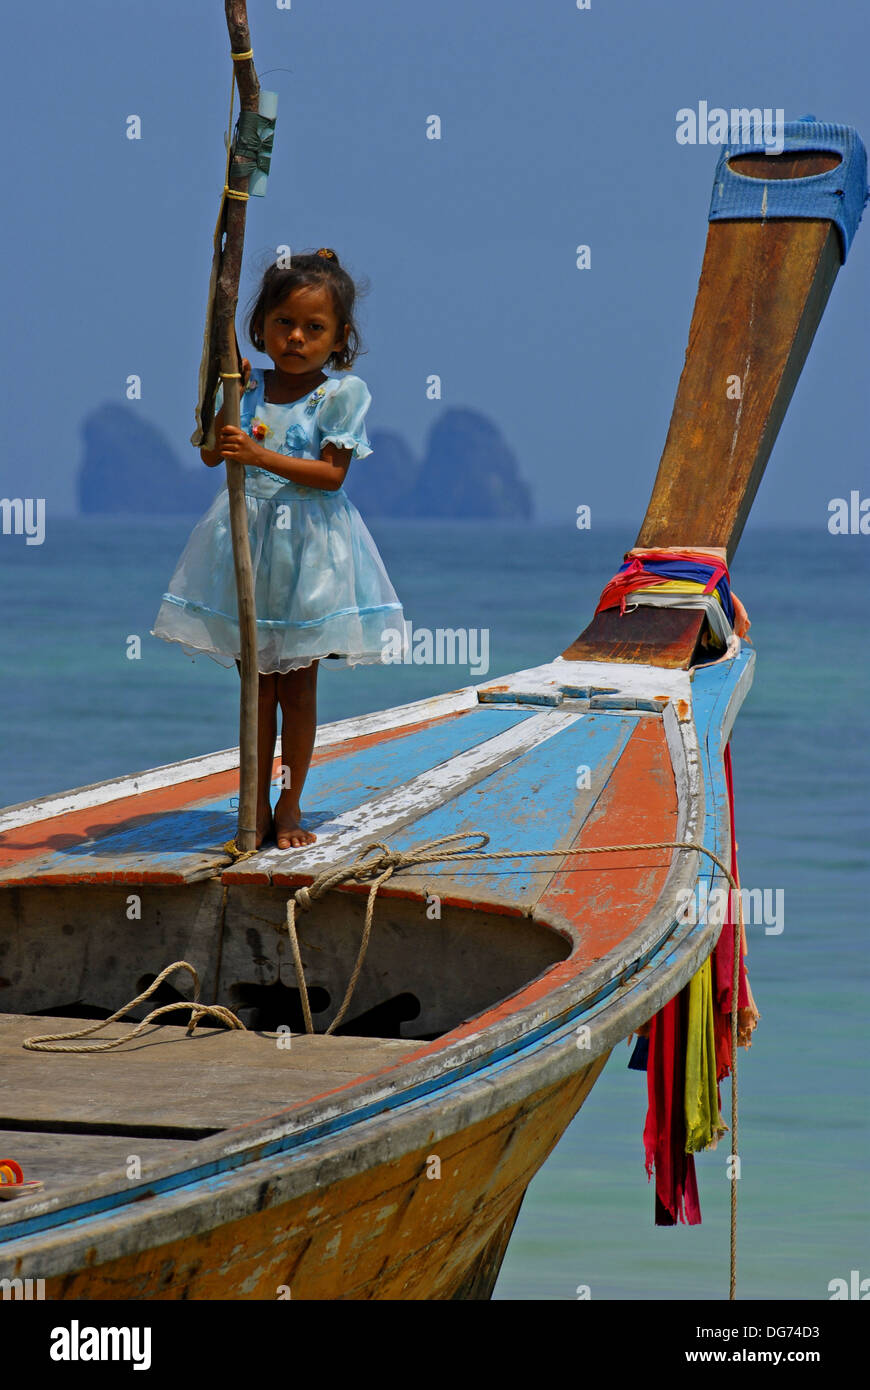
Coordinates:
558	128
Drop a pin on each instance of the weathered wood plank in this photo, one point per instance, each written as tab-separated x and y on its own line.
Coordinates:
481	1278
409	797
55	1158
181	842
570	679
605	895
355	731
65	847
533	803
763	289
666	637
386	1233
164	1080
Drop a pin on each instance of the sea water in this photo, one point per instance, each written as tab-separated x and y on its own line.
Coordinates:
77	705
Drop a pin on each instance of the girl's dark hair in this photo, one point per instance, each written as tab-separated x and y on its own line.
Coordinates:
309	268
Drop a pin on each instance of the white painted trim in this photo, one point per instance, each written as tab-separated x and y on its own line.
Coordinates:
171	774
434	706
630	681
738	695
402	805
134	784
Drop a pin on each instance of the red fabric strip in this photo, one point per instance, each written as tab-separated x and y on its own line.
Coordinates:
723	955
664	1134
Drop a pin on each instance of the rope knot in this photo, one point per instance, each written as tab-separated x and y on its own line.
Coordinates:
303	897
367	849
391	860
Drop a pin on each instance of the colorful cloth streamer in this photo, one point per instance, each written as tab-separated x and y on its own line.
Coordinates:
685	593
704	1124
664	1134
641	571
723	965
689	1054
655	577
640	1056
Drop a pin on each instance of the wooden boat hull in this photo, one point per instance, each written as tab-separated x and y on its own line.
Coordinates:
388	1232
333	1196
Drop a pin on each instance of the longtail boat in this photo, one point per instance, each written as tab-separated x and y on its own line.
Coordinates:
382	1150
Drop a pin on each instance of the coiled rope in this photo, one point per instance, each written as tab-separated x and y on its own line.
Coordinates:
54	1042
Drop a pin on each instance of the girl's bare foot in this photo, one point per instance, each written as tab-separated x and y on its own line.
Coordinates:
265	825
289	833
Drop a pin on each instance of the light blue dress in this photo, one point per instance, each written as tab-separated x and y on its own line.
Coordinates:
320	586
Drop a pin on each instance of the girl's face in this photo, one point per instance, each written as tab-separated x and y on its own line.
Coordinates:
302	331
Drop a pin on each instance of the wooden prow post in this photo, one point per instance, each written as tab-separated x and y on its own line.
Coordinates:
762	292
763	289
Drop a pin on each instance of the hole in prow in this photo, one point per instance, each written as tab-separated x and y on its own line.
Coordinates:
797	164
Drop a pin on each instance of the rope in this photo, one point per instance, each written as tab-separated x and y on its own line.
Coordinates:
231	848
227	191
359	870
390	861
735	1001
46	1042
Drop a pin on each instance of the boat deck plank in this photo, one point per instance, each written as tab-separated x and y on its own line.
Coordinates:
397	814
164	1081
170	836
509	806
55	1159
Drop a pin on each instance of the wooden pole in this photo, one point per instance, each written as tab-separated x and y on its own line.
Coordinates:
224	334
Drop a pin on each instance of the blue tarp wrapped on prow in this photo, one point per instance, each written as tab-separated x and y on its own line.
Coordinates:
837	196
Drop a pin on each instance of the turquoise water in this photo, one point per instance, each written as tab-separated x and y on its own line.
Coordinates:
74	709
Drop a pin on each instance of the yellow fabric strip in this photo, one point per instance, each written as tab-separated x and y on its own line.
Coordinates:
674	586
704	1124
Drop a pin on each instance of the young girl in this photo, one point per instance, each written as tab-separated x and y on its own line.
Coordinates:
320	586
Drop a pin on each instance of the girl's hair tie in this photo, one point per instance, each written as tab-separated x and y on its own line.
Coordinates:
325	251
